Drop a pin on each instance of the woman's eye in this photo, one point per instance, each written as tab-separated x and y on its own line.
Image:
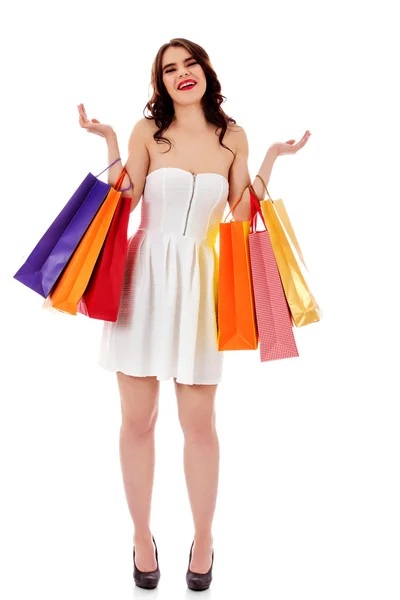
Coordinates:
189	65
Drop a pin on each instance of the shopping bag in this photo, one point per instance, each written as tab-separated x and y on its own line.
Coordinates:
303	307
47	260
237	326
274	322
102	296
71	285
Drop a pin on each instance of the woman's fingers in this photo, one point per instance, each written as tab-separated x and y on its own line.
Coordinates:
83	120
303	140
82	112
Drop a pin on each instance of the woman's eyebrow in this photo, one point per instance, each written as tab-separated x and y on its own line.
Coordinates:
173	64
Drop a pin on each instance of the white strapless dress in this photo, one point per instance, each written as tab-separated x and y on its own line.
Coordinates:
167	322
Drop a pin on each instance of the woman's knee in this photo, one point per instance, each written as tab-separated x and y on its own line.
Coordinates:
139	402
196	410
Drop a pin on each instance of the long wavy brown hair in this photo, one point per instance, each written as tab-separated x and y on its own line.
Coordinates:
161	107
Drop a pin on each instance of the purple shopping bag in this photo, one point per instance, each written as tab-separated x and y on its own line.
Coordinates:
47	260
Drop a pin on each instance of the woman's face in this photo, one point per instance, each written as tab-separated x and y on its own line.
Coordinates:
178	66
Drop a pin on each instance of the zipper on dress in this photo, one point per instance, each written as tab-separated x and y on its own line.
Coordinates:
190	203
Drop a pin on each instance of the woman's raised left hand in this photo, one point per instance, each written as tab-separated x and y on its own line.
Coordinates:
290	147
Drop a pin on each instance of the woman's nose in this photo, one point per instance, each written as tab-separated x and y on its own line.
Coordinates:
184	71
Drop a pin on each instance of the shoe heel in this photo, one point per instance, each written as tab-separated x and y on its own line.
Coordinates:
146	579
199	581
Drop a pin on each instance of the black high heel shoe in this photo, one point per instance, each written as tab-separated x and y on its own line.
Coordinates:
146	579
199	581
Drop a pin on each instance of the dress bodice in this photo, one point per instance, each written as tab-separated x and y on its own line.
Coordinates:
182	203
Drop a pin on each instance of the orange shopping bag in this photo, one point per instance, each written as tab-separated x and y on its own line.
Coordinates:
71	286
237	326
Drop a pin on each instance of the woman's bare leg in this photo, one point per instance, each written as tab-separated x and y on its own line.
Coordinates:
139	411
196	412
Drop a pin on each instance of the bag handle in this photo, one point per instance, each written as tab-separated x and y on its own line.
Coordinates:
113	163
256	210
233	208
123	172
120	180
284	217
263	182
252	207
258	200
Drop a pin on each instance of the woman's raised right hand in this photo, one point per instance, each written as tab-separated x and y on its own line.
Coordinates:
94	126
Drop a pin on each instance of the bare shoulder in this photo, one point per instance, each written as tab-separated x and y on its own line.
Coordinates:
143	126
237	137
235	128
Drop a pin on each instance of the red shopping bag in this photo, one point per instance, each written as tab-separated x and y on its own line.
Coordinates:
103	293
274	322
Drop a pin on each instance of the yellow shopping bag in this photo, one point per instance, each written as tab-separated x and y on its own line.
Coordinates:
303	306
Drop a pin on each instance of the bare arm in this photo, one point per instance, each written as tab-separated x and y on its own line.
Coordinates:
239	177
136	165
239	172
115	170
138	156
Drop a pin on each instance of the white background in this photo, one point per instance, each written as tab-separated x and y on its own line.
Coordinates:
309	496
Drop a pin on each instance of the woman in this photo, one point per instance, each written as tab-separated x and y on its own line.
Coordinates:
187	160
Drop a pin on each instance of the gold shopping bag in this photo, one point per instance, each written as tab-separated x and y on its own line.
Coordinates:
303	306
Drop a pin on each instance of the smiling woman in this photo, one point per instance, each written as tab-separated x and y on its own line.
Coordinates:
167	78
167	322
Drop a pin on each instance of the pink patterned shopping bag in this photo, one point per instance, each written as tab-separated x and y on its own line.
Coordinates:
274	320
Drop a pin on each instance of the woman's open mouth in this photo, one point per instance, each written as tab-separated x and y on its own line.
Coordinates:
187	86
